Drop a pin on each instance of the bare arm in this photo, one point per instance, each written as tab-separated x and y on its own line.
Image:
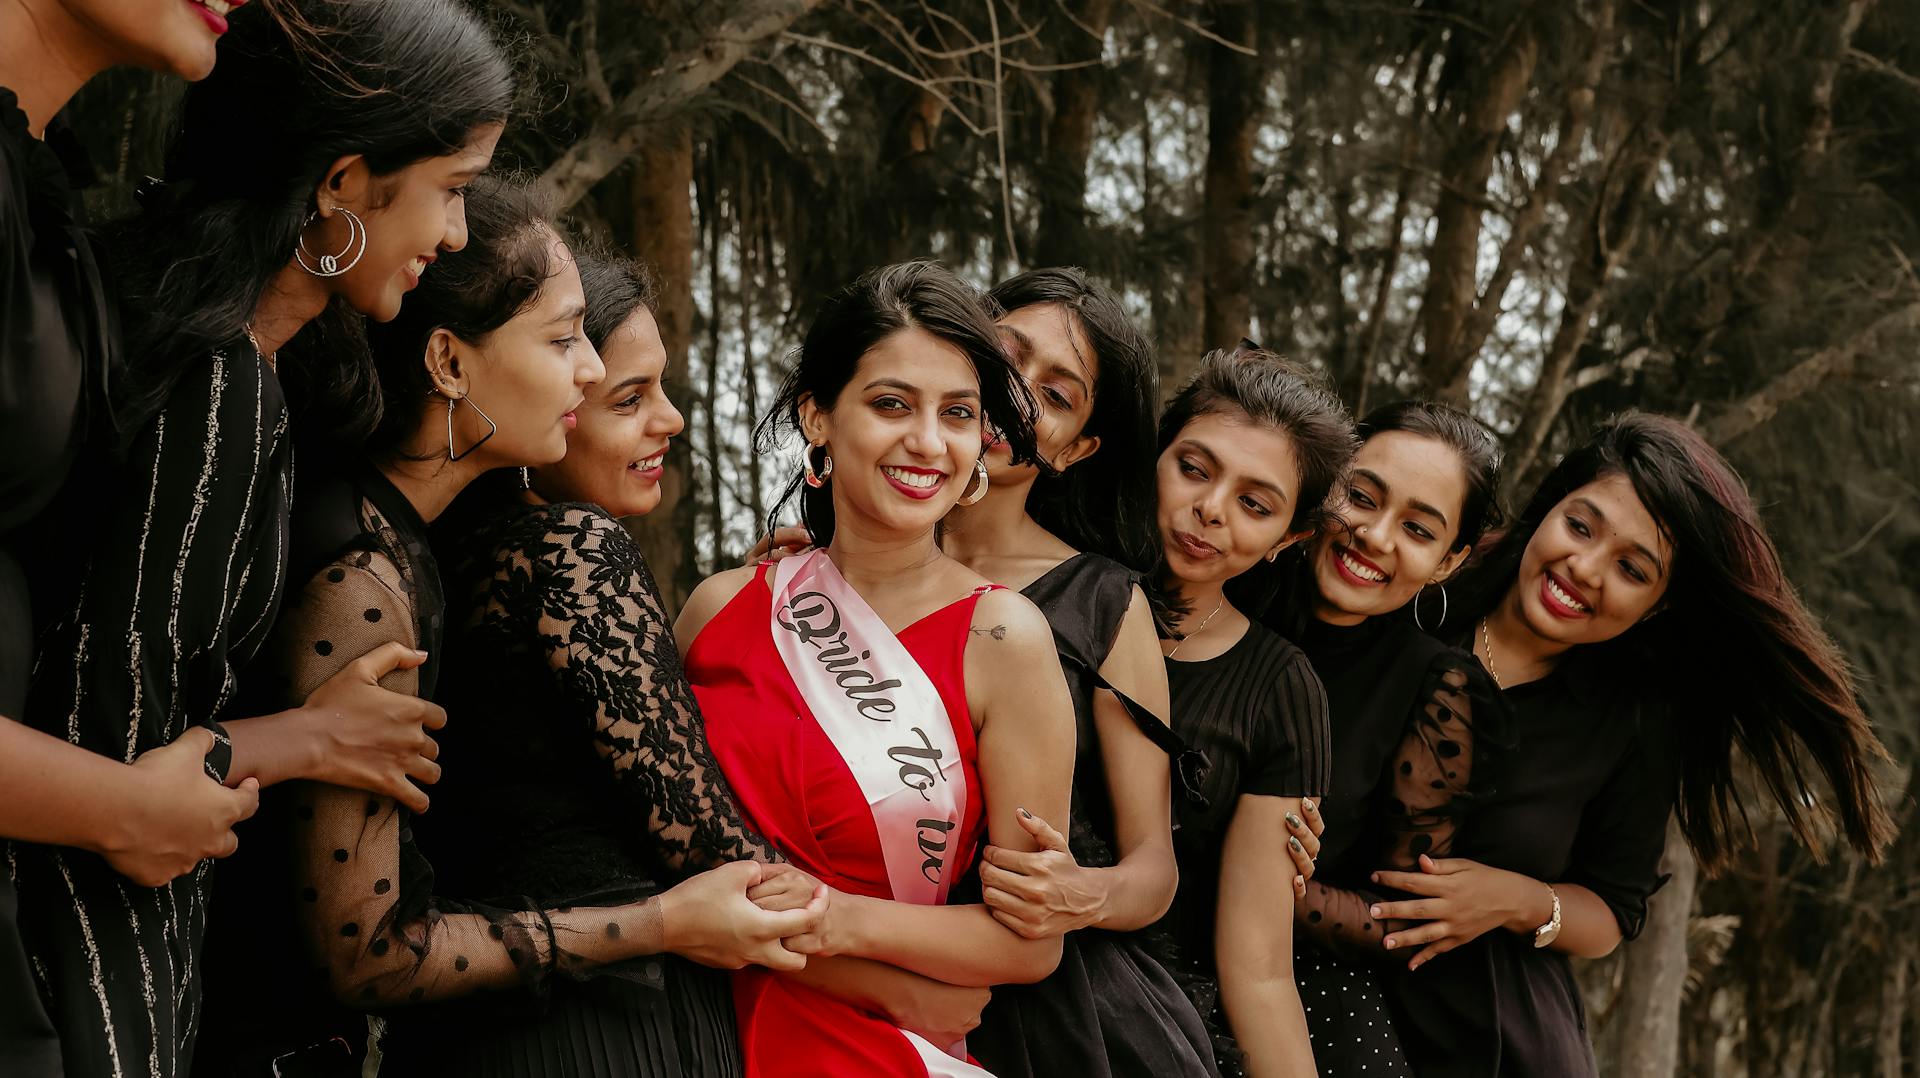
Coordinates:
1253	941
1139	778
1025	719
152	820
1049	893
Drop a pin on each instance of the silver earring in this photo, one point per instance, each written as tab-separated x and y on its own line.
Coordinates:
1416	608
526	478
492	428
980	478
329	265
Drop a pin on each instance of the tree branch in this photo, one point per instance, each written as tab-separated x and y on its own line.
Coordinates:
622	129
1804	377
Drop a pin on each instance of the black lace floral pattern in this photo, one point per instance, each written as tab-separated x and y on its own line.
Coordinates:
554	608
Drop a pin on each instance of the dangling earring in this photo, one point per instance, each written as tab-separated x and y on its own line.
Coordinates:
980	477
526	478
806	466
329	265
1416	607
492	428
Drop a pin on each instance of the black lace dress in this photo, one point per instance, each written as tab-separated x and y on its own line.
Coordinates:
1417	729
1110	1010
1259	715
577	773
53	344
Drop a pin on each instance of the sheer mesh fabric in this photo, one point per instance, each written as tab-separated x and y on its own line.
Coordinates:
1445	762
366	893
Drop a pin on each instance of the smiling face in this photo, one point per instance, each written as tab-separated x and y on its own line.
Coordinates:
1402	512
617	455
529	376
1047	346
1227	490
409	217
175	37
1597	565
904	434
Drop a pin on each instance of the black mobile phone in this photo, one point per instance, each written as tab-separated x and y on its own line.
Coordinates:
332	1058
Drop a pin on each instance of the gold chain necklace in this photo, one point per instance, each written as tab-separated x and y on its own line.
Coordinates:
1203	627
272	359
1486	644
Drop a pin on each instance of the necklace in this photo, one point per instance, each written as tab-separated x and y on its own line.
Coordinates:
1203	627
272	358
1486	644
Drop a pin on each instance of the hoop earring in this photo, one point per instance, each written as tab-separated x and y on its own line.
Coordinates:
1416	608
806	466
329	265
980	491
492	429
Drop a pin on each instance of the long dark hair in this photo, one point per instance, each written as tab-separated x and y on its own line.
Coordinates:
1102	504
298	87
471	292
1733	656
1262	388
853	320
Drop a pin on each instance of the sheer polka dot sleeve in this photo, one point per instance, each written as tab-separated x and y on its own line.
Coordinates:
366	896
1448	759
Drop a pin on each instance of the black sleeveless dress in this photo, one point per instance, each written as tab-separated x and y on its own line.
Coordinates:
1110	1010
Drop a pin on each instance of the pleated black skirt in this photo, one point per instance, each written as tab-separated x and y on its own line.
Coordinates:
603	1027
1109	1011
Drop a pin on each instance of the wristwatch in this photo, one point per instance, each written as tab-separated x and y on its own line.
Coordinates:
1550	931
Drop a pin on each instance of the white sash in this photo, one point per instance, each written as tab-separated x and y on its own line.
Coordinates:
883	714
890	725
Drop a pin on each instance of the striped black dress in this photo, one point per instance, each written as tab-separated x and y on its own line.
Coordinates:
1258	713
179	582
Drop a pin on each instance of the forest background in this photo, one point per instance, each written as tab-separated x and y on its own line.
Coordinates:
1547	211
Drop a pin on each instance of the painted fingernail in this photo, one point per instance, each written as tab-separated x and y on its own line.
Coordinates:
1307	803
1375	877
1294	821
1027	814
1295	843
1391	943
1375	910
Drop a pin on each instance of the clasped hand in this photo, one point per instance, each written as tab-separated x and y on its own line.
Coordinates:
1459	901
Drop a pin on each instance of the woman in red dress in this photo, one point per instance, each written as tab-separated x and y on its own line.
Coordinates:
877	707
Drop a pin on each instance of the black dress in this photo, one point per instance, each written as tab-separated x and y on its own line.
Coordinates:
1258	714
1584	799
1110	1009
577	773
53	351
177	585
1416	733
52	362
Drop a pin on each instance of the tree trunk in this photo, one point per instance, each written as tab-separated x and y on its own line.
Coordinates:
715	217
663	238
1236	84
1063	161
1645	1027
1452	260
